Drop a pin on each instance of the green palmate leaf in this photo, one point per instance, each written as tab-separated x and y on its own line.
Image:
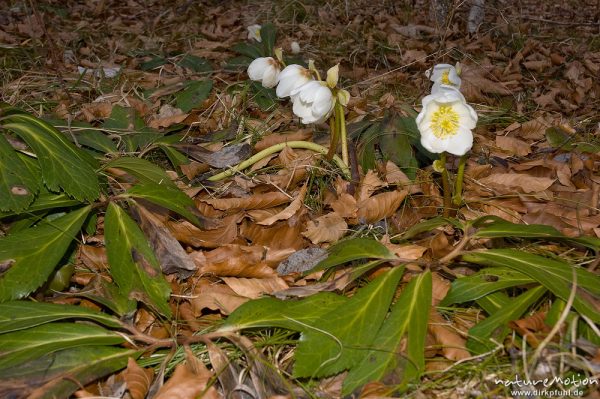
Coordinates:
21	346
133	265
131	127
144	171
489	333
354	249
408	318
46	201
555	275
483	283
59	374
18	186
18	315
166	196
194	94
268	35
63	165
83	133
32	254
395	145
340	339
295	315
493	226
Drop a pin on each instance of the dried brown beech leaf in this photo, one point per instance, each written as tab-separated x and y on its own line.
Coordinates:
257	201
255	287
226	371
368	185
235	261
189	381
94	258
327	228
394	175
345	206
439	288
289	211
213	296
272	139
532	328
476	81
281	235
380	206
513	145
453	345
138	379
189	234
509	182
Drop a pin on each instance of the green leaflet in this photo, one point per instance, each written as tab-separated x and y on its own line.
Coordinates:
268	35
555	275
133	265
354	249
59	374
408	317
18	315
166	196
18	185
296	315
131	127
195	92
63	165
484	282
46	200
493	226
144	171
341	338
22	346
494	327
34	253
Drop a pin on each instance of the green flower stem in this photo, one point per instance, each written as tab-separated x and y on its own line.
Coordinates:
341	120
307	145
446	186
457	198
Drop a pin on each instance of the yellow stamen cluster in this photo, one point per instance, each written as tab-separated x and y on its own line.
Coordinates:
445	80
444	122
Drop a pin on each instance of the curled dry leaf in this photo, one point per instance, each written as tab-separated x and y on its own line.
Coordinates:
327	228
257	201
138	379
368	185
189	381
345	206
452	344
532	328
214	296
281	235
513	146
509	182
380	206
289	211
255	287
189	234
235	261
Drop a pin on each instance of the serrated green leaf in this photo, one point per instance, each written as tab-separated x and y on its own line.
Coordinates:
153	63
493	227
252	51
45	201
126	122
85	134
482	336
32	254
133	265
144	171
18	186
192	96
293	315
482	283
18	315
63	165
177	158
195	63
264	97
22	346
340	339
268	36
408	317
165	196
59	374
354	249
555	275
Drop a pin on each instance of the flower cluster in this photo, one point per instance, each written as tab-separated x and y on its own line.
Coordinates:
446	120
313	100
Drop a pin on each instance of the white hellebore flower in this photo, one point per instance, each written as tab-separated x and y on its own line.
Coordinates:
265	69
292	77
446	121
443	74
313	102
254	32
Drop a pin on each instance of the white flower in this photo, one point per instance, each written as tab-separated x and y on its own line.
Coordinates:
254	32
443	74
313	102
446	121
295	47
265	69
292	77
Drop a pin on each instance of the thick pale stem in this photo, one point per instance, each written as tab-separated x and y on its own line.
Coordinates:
457	198
446	186
341	120
307	145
